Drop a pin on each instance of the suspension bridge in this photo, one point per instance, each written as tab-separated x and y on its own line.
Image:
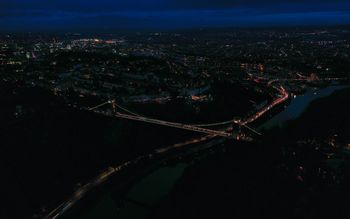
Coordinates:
195	128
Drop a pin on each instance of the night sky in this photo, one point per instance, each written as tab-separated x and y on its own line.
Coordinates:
79	15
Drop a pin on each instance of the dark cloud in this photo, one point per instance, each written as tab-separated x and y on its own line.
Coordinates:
19	14
155	5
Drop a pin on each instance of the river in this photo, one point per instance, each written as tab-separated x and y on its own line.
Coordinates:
298	105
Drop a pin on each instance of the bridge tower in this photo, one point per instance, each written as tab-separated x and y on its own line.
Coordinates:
114	106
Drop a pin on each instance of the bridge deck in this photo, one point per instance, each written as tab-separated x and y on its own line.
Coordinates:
175	125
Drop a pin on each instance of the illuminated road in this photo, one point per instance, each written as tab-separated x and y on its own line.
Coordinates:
80	193
284	95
